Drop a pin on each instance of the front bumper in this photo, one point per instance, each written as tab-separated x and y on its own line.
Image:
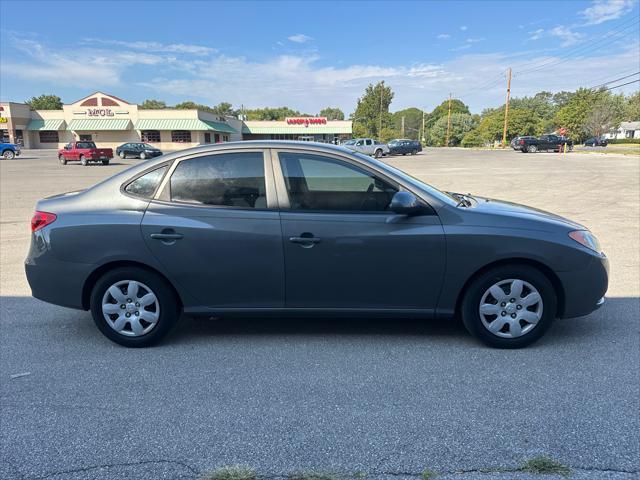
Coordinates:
584	289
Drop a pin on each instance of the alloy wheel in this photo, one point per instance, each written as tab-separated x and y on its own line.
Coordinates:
130	308
511	308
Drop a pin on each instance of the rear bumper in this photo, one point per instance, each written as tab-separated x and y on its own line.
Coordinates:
60	283
584	289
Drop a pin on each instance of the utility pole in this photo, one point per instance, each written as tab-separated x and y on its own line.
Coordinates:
380	127
506	109
422	136
402	128
448	122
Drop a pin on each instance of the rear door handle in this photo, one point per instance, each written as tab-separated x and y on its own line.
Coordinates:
167	235
304	239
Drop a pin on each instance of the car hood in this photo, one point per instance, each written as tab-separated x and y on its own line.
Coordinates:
518	211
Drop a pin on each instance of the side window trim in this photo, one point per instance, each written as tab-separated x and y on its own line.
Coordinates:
163	193
283	193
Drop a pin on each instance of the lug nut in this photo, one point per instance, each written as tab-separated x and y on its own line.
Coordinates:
503	313
127	314
519	307
128	300
123	306
137	304
503	304
513	315
512	300
137	313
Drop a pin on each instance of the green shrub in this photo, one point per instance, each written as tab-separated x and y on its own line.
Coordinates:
622	141
472	139
236	472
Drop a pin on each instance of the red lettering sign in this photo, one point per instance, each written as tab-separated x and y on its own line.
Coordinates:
100	112
306	121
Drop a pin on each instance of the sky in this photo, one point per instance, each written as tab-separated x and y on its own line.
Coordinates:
310	55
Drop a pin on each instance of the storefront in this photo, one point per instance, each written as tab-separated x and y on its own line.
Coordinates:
310	129
110	121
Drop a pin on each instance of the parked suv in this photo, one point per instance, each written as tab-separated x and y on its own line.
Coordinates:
596	142
368	146
402	146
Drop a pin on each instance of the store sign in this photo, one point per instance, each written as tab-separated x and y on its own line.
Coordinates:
100	112
4	120
306	121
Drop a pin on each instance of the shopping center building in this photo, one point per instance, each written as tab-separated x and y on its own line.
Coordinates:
110	121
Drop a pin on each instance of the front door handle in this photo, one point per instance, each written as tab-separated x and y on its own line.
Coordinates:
305	240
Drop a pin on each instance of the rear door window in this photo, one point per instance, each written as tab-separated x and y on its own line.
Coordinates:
224	180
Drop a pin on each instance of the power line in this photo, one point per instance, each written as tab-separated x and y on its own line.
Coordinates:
622	84
616	80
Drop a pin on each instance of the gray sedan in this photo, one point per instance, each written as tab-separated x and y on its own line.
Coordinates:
298	229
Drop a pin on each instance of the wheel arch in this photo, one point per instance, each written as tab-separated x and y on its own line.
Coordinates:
544	269
102	269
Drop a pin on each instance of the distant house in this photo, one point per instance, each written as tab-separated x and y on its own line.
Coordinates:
625	130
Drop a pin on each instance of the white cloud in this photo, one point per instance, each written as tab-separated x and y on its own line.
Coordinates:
536	34
299	38
463	28
444	36
301	81
602	11
155	46
474	40
568	36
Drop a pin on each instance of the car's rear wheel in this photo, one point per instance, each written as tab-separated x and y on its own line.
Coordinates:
83	160
414	152
134	307
105	162
63	160
378	153
510	306
532	149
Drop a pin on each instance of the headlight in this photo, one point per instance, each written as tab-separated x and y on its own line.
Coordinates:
586	239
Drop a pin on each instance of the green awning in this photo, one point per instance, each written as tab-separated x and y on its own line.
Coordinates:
296	129
182	124
48	124
94	124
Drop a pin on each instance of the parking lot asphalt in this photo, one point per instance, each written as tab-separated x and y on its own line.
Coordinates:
380	398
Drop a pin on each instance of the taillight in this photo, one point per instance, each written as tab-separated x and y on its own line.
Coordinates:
41	220
521	142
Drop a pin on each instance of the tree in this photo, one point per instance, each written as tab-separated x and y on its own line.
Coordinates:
225	109
45	102
372	111
461	123
277	113
632	108
472	139
442	110
412	122
152	104
521	122
332	113
575	113
605	115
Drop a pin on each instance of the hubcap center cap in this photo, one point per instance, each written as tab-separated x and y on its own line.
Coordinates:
131	307
511	308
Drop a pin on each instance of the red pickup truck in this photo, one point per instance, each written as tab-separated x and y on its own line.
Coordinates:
84	152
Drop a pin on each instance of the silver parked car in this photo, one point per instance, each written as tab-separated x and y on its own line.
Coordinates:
368	146
292	228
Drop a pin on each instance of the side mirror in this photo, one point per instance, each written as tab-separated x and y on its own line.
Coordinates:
406	203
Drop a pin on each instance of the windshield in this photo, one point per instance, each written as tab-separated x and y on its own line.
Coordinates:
444	197
150	147
349	142
394	142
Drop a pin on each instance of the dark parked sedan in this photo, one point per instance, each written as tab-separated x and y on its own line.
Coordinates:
404	146
291	228
596	142
138	150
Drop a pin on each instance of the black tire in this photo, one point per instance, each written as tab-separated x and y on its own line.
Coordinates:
63	160
169	307
414	152
83	160
105	162
532	149
377	153
474	292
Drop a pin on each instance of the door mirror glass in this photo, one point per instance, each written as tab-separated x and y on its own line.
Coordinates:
406	203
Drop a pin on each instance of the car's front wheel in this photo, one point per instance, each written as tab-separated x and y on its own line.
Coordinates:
143	156
378	153
134	307
8	154
63	160
122	155
509	306
83	160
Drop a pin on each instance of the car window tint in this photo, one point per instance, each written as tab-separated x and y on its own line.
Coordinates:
146	185
228	179
319	183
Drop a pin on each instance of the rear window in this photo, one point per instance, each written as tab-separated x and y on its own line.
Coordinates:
146	185
85	145
229	180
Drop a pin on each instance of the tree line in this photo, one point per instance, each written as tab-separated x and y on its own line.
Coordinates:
583	113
